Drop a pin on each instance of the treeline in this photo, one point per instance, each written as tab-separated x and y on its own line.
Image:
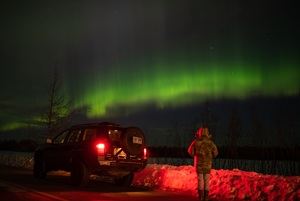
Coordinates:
248	153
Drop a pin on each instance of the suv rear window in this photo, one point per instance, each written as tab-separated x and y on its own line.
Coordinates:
114	134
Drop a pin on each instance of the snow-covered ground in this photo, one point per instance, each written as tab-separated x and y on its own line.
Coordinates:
224	184
16	159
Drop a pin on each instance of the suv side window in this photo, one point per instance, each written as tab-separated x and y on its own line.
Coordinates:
60	139
89	134
74	137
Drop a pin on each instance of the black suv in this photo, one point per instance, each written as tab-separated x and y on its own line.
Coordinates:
99	148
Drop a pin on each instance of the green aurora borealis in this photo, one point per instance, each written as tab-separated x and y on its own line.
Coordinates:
171	84
123	90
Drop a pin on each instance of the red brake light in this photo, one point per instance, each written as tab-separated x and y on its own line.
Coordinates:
145	153
101	148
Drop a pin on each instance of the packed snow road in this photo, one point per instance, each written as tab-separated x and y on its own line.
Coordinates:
18	184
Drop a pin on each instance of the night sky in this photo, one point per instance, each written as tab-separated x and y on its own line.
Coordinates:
160	65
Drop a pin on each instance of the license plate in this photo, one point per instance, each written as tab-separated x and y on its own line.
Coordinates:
137	140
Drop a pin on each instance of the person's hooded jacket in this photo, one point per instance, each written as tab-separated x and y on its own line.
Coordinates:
203	150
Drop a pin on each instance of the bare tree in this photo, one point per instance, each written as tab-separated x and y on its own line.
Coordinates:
209	118
258	129
58	106
234	129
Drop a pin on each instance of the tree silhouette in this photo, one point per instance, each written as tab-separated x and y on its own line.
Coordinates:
58	107
234	129
209	119
258	129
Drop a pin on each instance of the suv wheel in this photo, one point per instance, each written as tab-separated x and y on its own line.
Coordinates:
79	174
124	181
39	168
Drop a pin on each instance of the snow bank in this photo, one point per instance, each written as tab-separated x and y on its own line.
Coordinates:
17	159
224	184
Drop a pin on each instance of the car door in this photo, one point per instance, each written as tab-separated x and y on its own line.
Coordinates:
72	144
54	152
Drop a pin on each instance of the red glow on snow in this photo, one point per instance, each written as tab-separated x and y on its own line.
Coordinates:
224	184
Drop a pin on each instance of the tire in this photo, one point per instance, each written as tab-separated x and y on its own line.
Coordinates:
39	167
79	174
124	181
127	141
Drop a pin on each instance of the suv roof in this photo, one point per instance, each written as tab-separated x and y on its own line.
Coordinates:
96	125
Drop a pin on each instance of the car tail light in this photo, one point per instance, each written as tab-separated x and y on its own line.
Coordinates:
145	153
100	148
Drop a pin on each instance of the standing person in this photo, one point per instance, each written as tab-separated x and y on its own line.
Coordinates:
203	149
